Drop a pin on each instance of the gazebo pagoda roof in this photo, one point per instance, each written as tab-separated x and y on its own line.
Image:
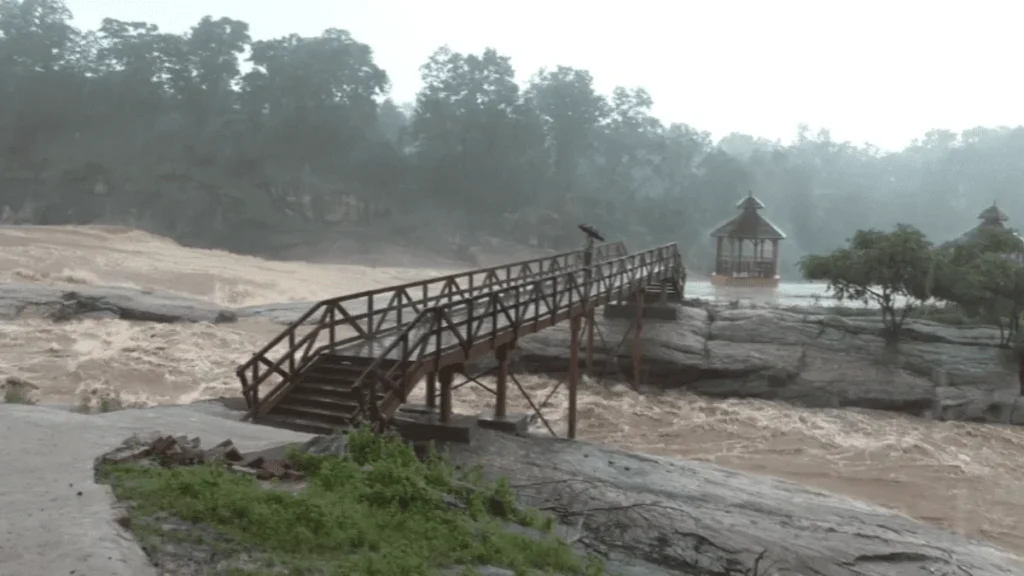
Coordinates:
749	224
991	217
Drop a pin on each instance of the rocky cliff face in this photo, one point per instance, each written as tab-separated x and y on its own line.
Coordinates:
809	358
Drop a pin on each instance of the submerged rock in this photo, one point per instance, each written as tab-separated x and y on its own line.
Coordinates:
61	305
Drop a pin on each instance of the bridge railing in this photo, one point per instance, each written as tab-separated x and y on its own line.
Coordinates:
438	338
364	316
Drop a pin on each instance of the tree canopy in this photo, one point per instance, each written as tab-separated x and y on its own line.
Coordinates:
980	275
215	138
894	269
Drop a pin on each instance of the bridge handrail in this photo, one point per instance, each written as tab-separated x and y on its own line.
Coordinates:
619	277
453	288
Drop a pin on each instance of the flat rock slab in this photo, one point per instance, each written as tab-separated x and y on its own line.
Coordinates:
657	516
55	519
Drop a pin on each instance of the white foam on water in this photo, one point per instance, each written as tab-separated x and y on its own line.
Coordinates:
967	477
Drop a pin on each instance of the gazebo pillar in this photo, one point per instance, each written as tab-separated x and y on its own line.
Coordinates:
737	267
775	258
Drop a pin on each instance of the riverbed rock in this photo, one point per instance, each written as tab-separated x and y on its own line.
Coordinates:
806	357
60	304
652	515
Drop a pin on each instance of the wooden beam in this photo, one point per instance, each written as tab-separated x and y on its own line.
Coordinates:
432	390
590	343
501	392
636	337
445	376
574	372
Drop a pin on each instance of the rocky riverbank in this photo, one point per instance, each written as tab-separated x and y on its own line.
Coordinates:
805	357
650	516
810	358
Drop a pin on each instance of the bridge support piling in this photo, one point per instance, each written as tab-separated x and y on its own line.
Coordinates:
432	390
574	373
501	391
445	376
590	343
640	296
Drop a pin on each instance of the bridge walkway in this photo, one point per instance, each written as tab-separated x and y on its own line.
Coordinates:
356	358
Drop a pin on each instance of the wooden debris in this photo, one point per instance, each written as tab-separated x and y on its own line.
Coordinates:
171	452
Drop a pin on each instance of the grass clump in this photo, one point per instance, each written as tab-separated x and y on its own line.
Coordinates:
381	511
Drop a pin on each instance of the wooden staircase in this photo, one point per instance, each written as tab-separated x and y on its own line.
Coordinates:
664	292
326	397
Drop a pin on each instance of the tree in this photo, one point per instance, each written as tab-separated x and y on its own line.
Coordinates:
572	112
473	130
984	276
893	269
134	125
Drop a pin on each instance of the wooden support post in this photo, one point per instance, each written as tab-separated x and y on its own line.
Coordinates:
445	376
501	393
432	390
574	372
636	337
590	343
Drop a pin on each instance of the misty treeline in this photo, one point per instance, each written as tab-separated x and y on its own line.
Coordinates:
217	139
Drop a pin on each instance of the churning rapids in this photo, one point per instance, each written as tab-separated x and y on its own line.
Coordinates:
967	477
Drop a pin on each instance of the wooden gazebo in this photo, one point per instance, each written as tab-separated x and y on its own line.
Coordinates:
747	253
992	218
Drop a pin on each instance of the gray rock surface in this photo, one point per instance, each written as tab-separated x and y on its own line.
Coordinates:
62	304
808	358
54	519
651	516
655	516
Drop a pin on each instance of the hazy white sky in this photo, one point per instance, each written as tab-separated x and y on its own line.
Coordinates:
869	70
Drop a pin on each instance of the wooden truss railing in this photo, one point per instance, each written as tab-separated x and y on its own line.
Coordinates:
368	316
450	334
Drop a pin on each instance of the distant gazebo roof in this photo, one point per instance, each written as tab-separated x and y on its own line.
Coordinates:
749	224
991	217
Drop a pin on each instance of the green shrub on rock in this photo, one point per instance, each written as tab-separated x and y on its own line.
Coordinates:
380	511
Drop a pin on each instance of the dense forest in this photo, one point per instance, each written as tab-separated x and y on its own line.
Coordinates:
217	139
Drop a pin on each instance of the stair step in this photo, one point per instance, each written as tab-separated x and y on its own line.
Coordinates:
325	372
296	424
304	398
328	372
327	418
353	361
335	391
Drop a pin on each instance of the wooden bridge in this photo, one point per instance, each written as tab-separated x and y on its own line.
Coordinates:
356	358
